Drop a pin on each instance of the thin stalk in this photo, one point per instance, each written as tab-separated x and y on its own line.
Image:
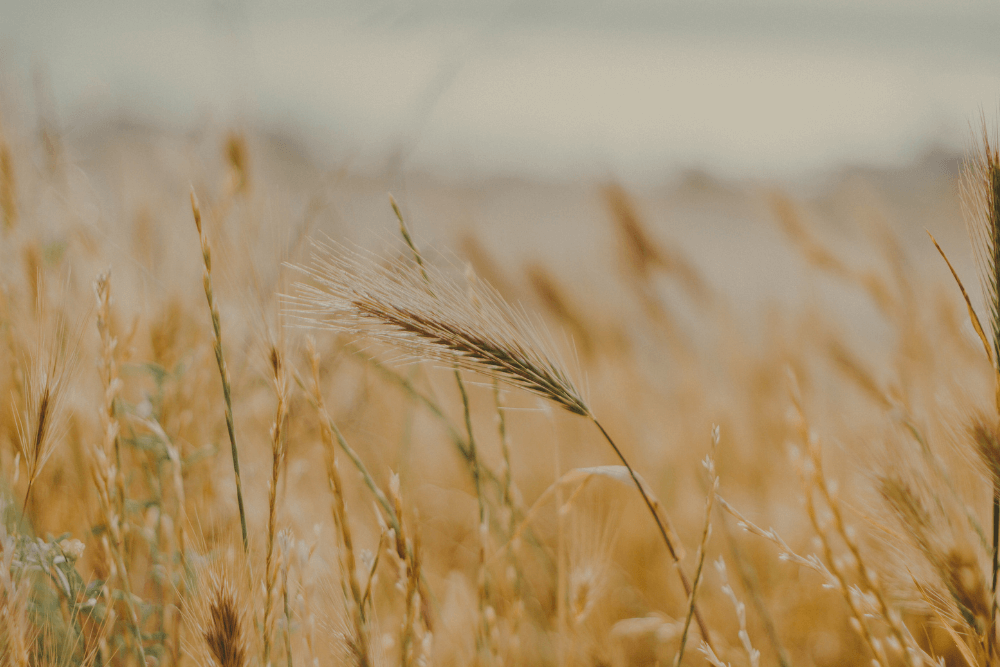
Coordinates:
116	524
473	455
27	494
486	475
702	546
996	562
405	233
749	580
315	397
702	627
288	620
227	392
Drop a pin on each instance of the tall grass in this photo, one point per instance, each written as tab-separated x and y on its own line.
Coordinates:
377	486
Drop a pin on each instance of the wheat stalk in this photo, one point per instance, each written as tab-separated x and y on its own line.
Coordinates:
706	533
108	474
227	392
280	380
353	596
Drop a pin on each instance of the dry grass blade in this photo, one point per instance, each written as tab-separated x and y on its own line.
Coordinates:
968	303
709	464
278	429
404	231
227	392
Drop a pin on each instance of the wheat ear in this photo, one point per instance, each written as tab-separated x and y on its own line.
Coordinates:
227	393
225	630
41	424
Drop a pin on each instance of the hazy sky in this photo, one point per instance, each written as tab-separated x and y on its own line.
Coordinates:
559	88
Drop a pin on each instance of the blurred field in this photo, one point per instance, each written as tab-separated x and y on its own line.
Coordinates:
811	324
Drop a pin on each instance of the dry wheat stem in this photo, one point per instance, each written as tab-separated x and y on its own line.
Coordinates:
753	655
366	597
486	474
709	464
114	516
277	457
413	575
973	317
227	393
353	595
473	457
748	577
315	397
285	543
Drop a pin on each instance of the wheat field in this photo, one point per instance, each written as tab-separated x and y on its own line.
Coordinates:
246	421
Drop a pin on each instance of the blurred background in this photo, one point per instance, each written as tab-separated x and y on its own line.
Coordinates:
636	91
497	125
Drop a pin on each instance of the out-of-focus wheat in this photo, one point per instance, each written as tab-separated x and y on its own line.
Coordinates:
41	422
278	429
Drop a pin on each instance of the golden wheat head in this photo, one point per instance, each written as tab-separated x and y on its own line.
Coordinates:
427	314
224	634
981	204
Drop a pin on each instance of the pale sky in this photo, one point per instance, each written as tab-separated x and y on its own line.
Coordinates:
557	89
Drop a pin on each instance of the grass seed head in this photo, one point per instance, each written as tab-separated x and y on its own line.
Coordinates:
980	187
224	634
428	315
